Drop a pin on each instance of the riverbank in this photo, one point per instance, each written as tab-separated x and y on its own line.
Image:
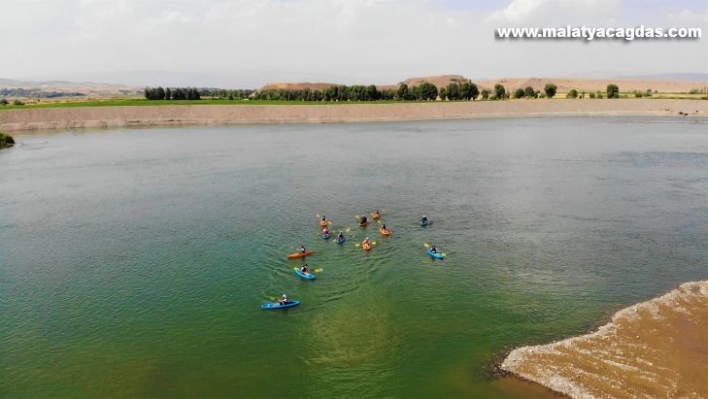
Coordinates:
656	349
168	115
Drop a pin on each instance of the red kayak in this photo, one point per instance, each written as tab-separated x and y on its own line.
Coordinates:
300	254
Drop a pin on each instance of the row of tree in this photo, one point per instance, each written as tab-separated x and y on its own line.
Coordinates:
179	93
455	91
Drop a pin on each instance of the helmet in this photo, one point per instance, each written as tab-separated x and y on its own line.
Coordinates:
285	296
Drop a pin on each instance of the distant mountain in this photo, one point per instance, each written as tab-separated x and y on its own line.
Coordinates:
675	77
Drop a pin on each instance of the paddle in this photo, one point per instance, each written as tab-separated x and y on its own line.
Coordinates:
428	246
318	270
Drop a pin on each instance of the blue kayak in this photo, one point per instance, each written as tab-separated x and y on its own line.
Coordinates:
436	255
326	236
277	305
341	241
308	276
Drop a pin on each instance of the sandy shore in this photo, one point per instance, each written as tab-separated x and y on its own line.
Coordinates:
656	349
93	117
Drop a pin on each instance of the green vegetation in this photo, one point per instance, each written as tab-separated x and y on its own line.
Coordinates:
423	92
612	91
550	90
456	91
592	95
499	92
6	141
529	92
519	93
3	102
485	94
572	94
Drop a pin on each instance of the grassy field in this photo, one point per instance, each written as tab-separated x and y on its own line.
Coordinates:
132	102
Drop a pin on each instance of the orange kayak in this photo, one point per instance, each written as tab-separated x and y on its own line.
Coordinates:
366	247
300	254
375	216
323	223
384	232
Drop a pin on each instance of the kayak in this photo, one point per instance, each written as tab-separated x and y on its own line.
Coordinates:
422	223
326	236
308	276
436	255
384	232
341	241
300	254
323	223
375	216
366	246
363	224
277	305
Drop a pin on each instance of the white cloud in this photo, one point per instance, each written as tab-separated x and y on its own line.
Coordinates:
349	41
519	11
689	16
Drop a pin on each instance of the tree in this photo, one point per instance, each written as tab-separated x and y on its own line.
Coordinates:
519	93
442	93
474	91
592	95
499	91
453	92
485	94
529	92
550	90
572	94
612	91
168	94
402	91
3	102
469	91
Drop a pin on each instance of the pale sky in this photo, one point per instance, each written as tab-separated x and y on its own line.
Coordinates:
246	43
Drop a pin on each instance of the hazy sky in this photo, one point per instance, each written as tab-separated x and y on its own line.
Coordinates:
245	43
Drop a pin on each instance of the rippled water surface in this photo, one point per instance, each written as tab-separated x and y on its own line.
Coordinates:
134	262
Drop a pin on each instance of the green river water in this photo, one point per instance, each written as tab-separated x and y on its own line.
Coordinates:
133	263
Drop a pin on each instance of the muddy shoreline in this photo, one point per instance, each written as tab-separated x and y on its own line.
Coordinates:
655	349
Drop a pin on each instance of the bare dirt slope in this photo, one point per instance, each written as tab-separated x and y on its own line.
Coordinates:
70	118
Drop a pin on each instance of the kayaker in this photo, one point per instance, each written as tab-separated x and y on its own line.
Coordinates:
377	214
325	231
340	236
283	300
302	249
424	220
324	219
305	269
383	227
367	241
363	220
433	249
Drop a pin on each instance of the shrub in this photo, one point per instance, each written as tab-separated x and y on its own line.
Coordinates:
572	94
612	91
592	95
550	90
17	102
6	141
542	95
